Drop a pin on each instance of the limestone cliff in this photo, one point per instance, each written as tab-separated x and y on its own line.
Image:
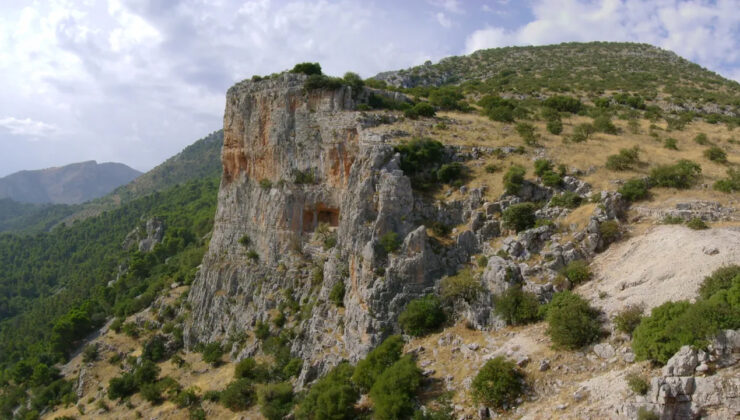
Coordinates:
294	160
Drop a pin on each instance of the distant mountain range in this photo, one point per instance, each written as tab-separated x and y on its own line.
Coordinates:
34	201
70	184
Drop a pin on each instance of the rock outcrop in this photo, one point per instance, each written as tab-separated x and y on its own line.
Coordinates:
299	165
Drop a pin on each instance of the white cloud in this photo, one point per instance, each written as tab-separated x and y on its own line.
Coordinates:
452	6
443	20
706	32
27	127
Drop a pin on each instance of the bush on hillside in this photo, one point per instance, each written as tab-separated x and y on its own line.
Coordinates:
394	390
697	224
422	109
238	395
576	272
563	103
715	154
449	172
331	397
572	322
541	166
628	318
519	216
731	183
567	199
670	143
250	369
527	132
516	306
390	242
379	359
609	231
275	400
462	285
721	279
212	353
320	81
701	139
625	160
336	295
682	175
514	179
422	316
307	68
498	384
635	189
582	132
555	126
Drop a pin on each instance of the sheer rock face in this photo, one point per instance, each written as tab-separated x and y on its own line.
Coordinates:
293	159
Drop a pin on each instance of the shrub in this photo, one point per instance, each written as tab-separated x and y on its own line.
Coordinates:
519	216
337	294
212	353
563	103
147	372
682	175
721	279
275	400
701	139
462	285
670	143
90	353
154	349
390	242
422	109
568	199
628	319
393	391
307	68
635	189
420	158
152	393
331	397
354	81
122	386
307	176
293	367
498	383
514	179
516	306
582	132
187	398
250	369
320	81
715	154
422	316
626	159
603	124
652	339
671	220
262	330
448	97
541	166
380	358
527	132
238	395
637	384
609	231
552	179
729	184
253	255
245	240
450	172
697	224
481	261
265	184
572	323
501	114
555	126
491	168
576	272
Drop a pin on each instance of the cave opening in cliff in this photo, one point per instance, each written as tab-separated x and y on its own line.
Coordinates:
320	213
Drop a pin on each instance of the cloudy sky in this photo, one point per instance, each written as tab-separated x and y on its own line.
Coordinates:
135	81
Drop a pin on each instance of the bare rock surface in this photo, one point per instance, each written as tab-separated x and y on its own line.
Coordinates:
667	263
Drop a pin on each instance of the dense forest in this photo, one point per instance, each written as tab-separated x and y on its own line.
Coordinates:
58	287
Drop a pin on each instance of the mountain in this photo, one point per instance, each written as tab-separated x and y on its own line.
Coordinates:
200	160
70	184
446	251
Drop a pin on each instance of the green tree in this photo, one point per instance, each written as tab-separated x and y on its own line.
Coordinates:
498	384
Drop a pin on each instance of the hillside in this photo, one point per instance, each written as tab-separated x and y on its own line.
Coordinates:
432	252
587	69
200	160
70	184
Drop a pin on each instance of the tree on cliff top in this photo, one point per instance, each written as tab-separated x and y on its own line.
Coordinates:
307	68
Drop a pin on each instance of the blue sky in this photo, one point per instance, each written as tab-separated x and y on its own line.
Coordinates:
135	81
